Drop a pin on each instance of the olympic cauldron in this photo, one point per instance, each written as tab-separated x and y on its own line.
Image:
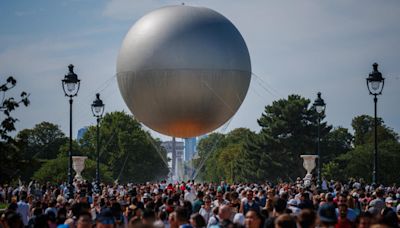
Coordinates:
183	71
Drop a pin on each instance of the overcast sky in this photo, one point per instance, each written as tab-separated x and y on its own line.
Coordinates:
299	47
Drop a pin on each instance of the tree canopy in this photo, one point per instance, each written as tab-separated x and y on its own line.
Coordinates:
41	142
11	158
289	129
130	152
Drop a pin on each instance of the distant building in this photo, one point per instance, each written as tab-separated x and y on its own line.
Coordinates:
81	132
176	158
190	148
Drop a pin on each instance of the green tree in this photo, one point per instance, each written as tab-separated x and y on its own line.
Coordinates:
205	149
335	143
55	171
288	129
130	153
358	162
332	171
364	130
11	159
41	142
221	155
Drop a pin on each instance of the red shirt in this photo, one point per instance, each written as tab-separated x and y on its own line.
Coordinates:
344	223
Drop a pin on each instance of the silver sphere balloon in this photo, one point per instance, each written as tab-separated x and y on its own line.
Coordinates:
183	71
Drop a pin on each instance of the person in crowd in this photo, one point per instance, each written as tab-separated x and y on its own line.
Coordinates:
280	206
343	220
182	217
327	215
197	221
23	208
105	219
254	219
376	205
250	203
343	203
12	219
292	205
206	210
189	195
306	219
305	201
364	220
219	201
161	205
285	221
199	202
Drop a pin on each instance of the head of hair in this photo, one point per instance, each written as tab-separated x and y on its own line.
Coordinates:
40	221
258	215
13	219
37	211
307	218
305	195
163	215
12	206
200	194
149	215
280	205
215	210
51	216
53	203
362	215
285	221
389	218
380	192
199	220
23	195
284	195
182	214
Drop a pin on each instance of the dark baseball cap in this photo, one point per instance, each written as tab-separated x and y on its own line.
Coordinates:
106	216
327	213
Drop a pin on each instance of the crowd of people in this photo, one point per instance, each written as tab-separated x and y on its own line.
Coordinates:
199	205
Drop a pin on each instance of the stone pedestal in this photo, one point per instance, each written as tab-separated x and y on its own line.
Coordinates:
78	164
309	165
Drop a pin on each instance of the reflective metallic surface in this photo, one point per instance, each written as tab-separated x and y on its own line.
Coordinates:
183	71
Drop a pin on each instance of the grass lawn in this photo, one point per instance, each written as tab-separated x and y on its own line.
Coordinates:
3	206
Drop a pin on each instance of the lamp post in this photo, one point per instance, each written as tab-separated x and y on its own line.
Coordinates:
375	83
70	85
320	106
98	110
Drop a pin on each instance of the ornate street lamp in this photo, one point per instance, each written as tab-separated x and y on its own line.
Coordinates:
98	110
375	83
70	85
320	106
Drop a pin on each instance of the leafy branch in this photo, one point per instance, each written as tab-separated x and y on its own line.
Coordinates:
8	105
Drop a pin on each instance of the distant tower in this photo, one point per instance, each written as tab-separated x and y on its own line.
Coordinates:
190	148
81	133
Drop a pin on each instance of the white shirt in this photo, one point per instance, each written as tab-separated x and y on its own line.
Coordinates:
216	203
23	210
189	196
213	221
206	214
